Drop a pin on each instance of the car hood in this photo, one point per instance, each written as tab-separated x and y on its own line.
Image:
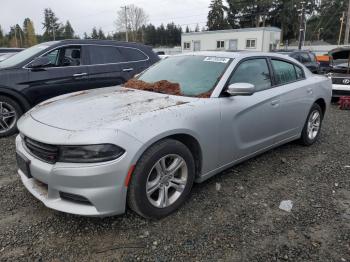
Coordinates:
101	108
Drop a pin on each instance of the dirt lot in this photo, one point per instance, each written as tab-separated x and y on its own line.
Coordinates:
232	217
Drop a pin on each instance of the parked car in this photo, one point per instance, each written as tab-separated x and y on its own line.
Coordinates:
340	71
91	153
8	52
307	58
55	68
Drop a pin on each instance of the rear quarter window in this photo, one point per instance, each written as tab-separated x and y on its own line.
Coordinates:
132	54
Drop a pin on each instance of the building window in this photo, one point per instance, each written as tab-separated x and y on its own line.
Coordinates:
187	45
220	44
251	43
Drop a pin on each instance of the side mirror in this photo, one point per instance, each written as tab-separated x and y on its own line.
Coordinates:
241	89
40	62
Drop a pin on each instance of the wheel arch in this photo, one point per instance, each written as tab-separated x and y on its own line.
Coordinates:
189	139
322	103
17	97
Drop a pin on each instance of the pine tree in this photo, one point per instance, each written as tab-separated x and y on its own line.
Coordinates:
101	35
51	25
94	34
2	37
68	31
29	33
216	16
187	29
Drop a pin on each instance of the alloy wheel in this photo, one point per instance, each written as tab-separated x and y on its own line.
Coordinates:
166	181
8	117
313	125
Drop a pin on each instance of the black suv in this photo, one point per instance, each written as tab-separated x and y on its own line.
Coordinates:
307	58
55	68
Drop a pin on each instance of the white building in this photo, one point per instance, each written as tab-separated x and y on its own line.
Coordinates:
255	39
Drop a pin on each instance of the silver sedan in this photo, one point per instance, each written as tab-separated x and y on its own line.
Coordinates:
183	120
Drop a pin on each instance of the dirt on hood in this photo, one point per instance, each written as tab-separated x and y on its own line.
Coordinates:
163	86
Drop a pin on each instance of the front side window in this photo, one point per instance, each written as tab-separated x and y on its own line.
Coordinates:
195	75
284	72
187	45
251	43
220	44
65	56
100	55
253	71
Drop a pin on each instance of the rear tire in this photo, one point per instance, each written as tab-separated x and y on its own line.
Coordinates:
10	112
312	126
162	179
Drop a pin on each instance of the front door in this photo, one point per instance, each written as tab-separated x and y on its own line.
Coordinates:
232	44
66	73
249	123
197	46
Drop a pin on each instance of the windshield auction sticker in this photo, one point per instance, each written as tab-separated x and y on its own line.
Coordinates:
216	59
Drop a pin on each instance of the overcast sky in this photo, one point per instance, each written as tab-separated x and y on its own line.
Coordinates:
84	14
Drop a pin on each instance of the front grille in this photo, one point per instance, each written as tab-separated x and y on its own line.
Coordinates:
44	152
339	81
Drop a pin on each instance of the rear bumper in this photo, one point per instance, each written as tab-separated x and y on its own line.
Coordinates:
102	185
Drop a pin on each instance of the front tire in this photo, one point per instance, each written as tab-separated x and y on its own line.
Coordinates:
162	179
10	112
312	127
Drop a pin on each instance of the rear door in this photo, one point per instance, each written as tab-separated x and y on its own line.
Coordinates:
105	66
66	73
295	97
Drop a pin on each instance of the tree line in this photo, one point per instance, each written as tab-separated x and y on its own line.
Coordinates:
322	17
323	22
25	35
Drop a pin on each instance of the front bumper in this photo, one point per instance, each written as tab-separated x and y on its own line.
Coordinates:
101	184
340	90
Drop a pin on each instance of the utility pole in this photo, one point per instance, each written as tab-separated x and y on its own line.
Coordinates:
302	26
126	23
347	29
319	33
341	27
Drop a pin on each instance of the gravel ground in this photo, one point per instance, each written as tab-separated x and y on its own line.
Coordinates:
234	216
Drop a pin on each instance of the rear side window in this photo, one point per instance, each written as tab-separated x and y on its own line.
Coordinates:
284	72
299	72
305	58
132	54
253	71
104	55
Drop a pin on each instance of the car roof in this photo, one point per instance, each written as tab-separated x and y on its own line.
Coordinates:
96	42
233	55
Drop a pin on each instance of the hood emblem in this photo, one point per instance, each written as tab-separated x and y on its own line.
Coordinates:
346	81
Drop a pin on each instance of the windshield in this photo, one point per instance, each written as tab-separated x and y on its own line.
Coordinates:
24	55
194	75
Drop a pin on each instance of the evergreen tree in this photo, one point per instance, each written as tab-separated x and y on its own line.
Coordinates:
68	31
2	37
29	33
51	25
187	29
216	16
94	34
101	35
86	36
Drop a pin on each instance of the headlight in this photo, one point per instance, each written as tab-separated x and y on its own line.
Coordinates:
89	153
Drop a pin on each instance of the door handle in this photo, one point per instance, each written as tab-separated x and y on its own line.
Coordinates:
275	102
79	74
309	90
128	69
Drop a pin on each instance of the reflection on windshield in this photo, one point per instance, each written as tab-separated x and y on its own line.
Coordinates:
195	75
25	54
